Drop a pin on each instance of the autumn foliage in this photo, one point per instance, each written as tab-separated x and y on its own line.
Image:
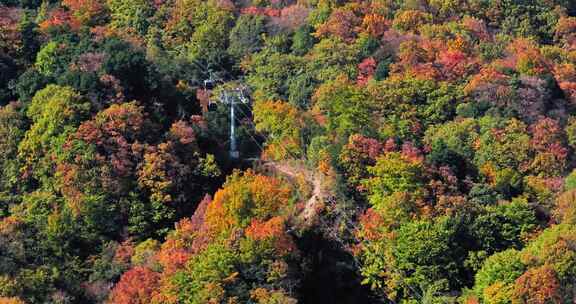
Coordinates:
136	287
281	151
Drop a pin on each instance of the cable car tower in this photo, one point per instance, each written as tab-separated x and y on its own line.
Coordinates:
231	96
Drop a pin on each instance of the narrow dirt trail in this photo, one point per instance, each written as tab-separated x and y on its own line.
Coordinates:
313	178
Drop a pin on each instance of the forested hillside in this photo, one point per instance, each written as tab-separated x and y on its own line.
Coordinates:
383	151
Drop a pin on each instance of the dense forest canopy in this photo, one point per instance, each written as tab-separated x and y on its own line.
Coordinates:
387	151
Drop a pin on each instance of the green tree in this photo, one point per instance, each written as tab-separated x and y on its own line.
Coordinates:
393	173
414	101
130	67
345	107
423	256
267	74
493	282
428	254
55	112
130	15
201	282
29	37
46	59
246	36
332	57
212	25
504	226
28	83
303	41
12	126
283	124
504	144
458	136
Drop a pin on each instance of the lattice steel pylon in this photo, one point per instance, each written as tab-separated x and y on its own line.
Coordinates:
232	97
